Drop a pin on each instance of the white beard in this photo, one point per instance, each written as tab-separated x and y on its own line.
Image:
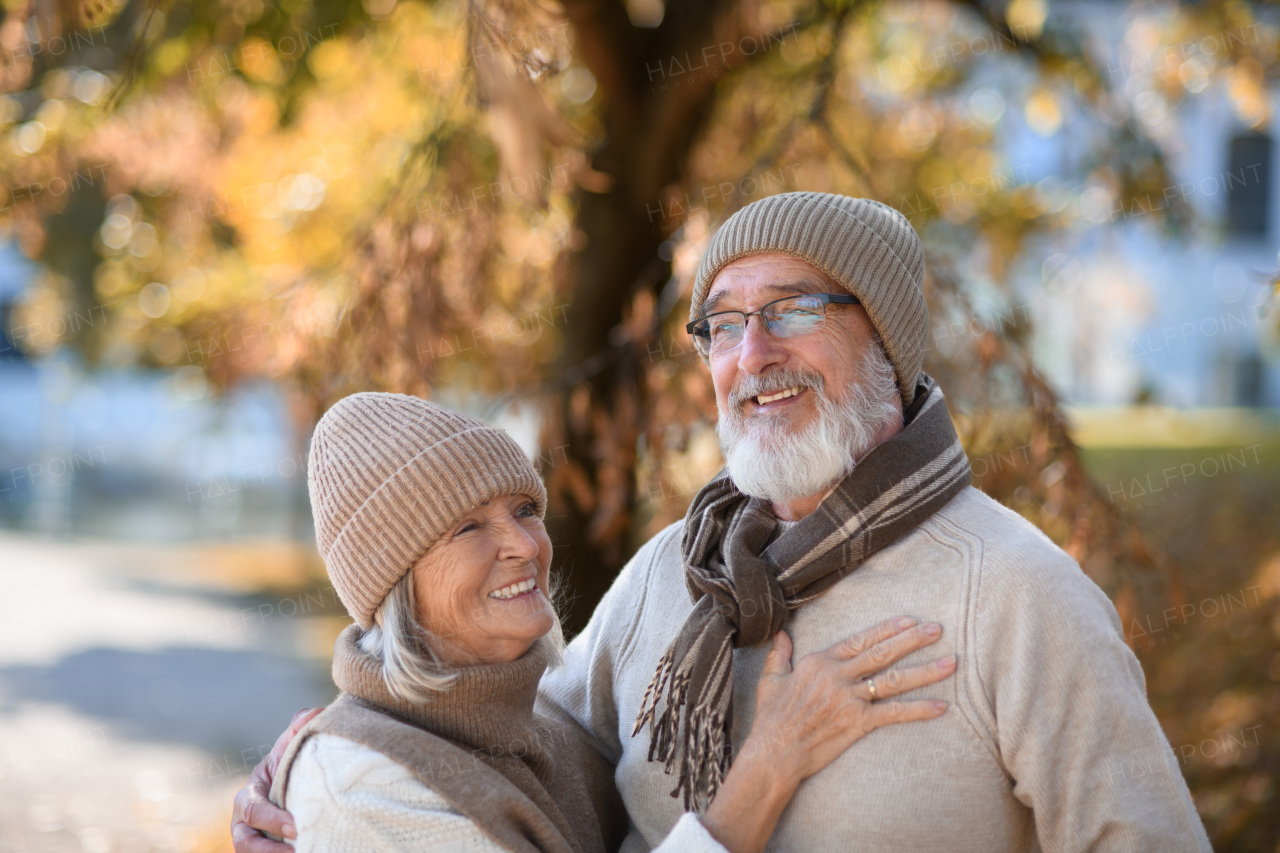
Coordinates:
766	460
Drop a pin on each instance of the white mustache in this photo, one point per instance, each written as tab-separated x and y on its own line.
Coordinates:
750	387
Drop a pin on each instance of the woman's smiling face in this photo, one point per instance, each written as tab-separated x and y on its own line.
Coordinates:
481	589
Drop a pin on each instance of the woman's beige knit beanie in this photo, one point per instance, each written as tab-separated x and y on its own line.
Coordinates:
870	250
389	474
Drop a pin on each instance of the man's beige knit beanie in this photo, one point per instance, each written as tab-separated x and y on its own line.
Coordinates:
389	475
870	250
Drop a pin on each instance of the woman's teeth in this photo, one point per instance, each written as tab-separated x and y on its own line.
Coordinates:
515	589
781	395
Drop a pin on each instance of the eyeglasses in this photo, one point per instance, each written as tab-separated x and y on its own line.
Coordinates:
790	317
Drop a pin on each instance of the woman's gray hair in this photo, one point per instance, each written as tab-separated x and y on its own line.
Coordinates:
411	668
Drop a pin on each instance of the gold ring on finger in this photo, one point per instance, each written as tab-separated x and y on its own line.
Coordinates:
871	686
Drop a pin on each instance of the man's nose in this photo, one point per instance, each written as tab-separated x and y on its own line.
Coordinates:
759	348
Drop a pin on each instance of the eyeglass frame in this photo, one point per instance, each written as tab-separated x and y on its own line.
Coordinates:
825	298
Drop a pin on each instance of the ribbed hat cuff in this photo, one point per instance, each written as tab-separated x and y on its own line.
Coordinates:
779	235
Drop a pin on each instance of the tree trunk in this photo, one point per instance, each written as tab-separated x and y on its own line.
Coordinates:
596	415
597	418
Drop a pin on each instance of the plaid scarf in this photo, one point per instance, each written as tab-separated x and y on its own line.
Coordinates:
743	586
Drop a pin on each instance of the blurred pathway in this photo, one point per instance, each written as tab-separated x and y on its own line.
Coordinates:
133	701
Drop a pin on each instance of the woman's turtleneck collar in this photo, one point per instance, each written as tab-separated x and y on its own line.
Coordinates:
488	707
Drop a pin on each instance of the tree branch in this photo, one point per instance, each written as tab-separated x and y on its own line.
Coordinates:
606	41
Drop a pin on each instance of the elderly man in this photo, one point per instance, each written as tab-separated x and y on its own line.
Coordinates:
845	500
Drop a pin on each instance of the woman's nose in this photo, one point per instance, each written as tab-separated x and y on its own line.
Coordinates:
516	542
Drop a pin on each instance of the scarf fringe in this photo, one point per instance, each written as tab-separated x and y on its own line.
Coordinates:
695	738
705	761
649	704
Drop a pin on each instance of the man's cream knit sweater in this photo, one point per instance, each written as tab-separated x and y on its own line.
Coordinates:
1049	742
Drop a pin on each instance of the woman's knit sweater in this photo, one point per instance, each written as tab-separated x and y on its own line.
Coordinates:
474	770
346	797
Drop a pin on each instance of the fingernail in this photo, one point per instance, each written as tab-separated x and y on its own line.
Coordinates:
933	629
905	622
288	831
947	662
940	705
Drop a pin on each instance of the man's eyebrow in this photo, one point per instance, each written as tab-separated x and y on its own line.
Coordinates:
799	287
710	304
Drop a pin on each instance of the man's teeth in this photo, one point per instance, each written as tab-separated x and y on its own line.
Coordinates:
514	590
781	395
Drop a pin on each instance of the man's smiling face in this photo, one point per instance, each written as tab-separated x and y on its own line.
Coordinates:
834	353
796	414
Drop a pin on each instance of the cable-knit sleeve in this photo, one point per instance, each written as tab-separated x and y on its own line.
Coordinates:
347	798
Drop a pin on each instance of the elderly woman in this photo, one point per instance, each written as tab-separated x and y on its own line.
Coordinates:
430	524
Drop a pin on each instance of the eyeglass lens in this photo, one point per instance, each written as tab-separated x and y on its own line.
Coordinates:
786	318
